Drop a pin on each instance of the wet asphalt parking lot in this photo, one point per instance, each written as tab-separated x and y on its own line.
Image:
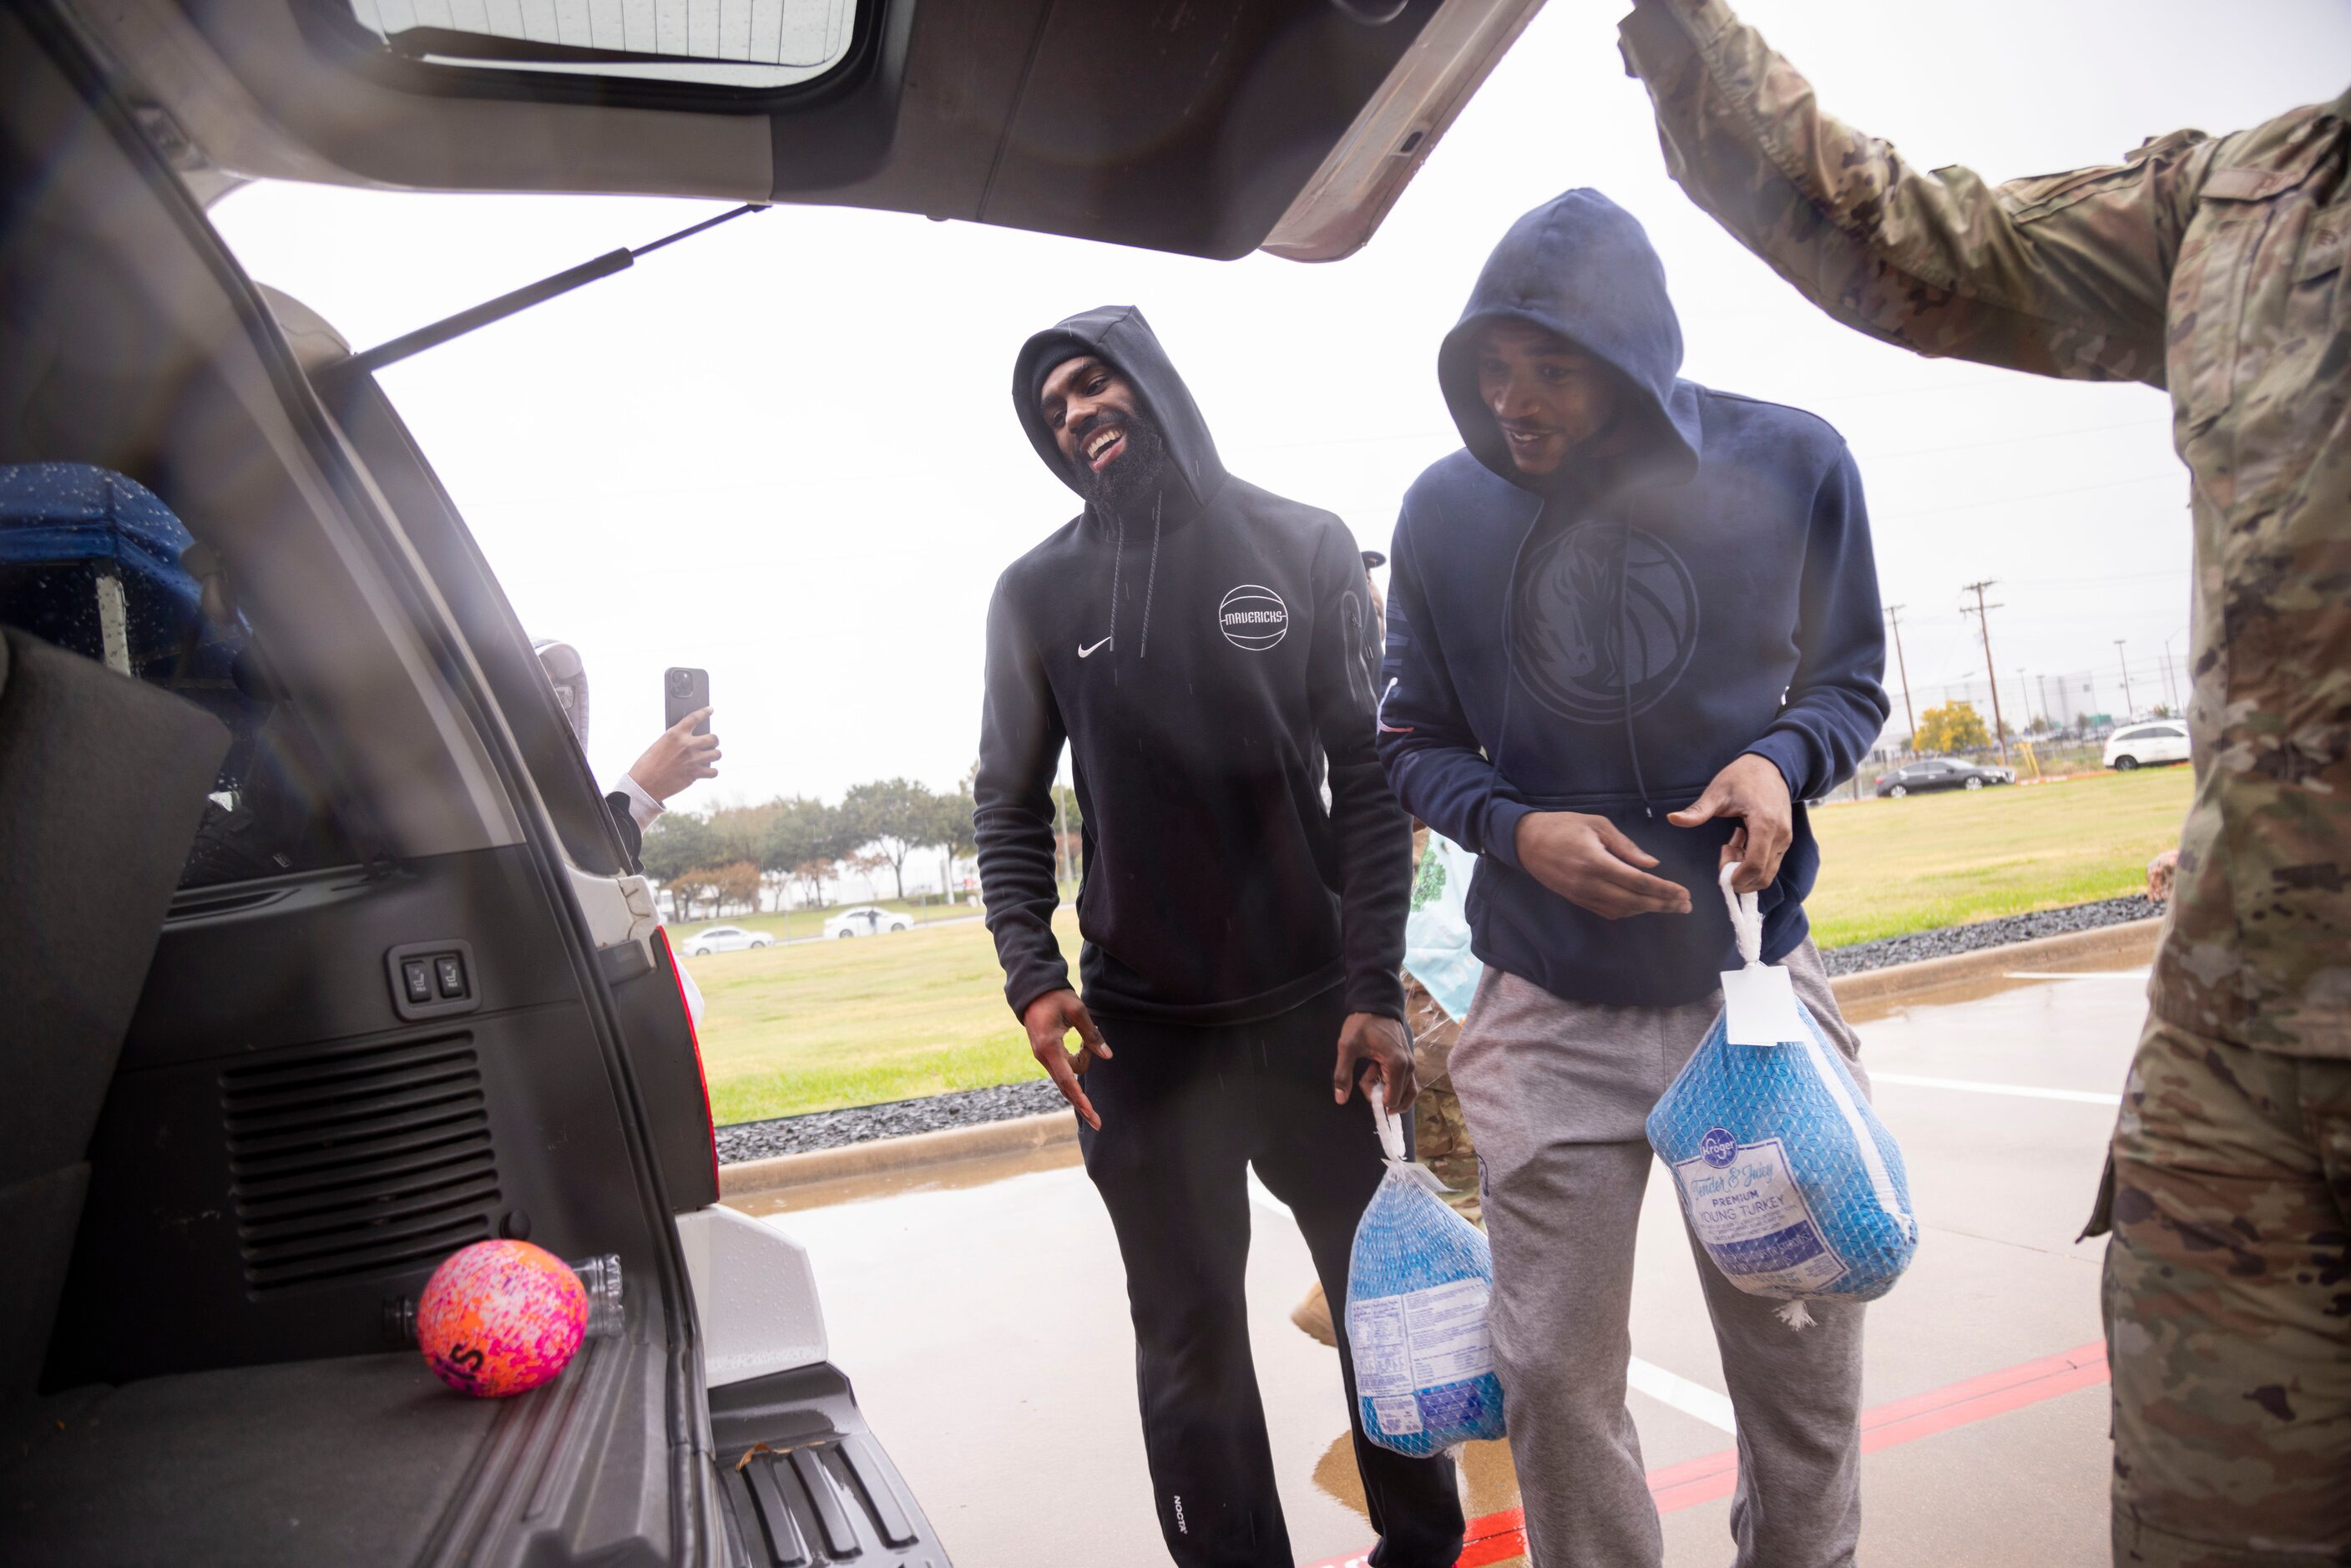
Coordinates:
981	1312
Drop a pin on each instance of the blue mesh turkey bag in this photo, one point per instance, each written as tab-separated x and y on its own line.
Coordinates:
1417	1285
1788	1178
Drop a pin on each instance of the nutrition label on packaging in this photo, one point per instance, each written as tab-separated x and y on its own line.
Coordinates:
1417	1341
1747	1210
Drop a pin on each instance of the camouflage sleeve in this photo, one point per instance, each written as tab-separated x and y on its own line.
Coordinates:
2063	275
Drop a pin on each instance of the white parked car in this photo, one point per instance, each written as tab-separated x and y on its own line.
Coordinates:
868	920
725	939
2136	745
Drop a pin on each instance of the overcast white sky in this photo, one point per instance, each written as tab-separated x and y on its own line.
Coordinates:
786	450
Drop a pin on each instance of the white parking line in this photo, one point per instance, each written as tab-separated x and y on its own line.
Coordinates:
1690	1398
1973	1086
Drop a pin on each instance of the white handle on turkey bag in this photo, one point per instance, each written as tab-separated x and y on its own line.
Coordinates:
1391	1129
1746	917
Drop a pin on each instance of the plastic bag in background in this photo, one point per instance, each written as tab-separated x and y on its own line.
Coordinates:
1417	1285
1437	932
1790	1181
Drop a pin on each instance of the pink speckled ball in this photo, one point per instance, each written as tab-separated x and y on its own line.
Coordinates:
500	1317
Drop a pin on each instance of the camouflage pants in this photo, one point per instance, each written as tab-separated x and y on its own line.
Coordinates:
2228	1308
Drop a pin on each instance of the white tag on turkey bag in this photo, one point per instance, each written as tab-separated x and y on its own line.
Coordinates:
1759	1002
1759	1006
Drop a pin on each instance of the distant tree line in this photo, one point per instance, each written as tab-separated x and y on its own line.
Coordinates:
745	858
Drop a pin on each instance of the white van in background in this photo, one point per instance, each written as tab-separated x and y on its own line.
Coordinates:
2139	744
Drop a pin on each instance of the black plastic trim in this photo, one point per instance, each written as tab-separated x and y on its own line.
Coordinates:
806	1482
441	1005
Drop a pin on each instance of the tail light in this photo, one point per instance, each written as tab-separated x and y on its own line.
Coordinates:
694	1033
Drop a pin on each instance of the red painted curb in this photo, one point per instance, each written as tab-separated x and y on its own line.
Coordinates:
1498	1537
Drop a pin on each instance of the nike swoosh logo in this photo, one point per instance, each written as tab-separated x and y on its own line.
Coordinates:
1089	652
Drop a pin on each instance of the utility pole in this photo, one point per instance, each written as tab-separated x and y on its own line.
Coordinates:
2044	699
2026	698
1893	613
2119	658
1983	621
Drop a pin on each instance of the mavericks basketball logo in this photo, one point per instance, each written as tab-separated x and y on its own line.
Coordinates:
1603	621
1253	617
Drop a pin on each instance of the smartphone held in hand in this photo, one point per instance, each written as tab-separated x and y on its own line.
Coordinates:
684	691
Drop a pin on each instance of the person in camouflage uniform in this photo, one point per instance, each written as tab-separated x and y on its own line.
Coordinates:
2212	267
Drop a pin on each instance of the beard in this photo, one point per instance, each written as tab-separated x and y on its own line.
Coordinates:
1132	480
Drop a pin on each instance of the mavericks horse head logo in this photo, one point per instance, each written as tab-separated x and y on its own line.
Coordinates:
1603	620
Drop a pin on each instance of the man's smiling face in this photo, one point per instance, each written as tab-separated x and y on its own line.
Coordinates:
1549	397
1110	443
1090	409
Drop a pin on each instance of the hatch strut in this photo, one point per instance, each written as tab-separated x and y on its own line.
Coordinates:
368	362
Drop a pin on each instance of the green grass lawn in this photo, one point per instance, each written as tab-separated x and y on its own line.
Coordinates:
791	1029
1888	867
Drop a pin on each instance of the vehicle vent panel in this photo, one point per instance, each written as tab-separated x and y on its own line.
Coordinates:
348	1161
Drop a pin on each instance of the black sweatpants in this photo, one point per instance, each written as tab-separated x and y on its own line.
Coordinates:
1185	1111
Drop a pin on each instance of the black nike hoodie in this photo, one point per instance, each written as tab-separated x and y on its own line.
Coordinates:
1209	662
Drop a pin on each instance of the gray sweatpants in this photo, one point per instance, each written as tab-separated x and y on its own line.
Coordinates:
1556	1094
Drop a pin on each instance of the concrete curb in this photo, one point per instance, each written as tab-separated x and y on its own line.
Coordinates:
1015	1135
2132	942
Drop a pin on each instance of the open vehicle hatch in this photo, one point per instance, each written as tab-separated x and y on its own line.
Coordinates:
1206	126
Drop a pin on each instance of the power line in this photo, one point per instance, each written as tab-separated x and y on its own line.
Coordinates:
1893	614
1983	621
2173	477
2015	440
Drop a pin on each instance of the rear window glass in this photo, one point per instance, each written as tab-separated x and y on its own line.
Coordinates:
755	44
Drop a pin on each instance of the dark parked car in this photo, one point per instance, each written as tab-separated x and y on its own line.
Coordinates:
1938	773
323	956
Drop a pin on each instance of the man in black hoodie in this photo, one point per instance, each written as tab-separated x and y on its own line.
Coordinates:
1203	649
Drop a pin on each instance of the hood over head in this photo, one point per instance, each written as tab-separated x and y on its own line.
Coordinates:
1580	267
1120	336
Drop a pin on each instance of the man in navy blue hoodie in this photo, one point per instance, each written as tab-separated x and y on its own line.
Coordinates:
1632	627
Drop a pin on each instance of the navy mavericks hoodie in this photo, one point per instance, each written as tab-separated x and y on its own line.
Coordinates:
1608	642
1209	662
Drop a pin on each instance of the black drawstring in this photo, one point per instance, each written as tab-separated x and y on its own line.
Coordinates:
1117	555
1150	582
1624	662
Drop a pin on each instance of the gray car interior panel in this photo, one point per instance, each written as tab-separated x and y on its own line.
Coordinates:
102	781
1185	125
360	1459
119	347
277	1154
654	1021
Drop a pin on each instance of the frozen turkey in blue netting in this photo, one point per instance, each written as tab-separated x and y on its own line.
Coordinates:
1791	1183
1417	1285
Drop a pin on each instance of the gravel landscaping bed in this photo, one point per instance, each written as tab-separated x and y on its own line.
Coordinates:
860	1123
2000	932
970	1107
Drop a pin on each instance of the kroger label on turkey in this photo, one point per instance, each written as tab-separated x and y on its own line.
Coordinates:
1752	1217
